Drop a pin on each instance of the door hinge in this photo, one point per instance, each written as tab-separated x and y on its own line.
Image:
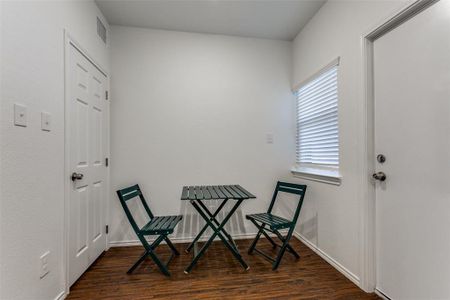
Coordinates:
107	162
106	95
107	229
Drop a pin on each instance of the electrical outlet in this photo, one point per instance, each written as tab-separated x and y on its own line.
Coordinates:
20	115
269	138
44	269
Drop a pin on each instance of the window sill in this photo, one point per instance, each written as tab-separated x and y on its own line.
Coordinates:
318	174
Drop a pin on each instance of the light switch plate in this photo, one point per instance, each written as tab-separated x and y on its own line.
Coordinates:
45	121
20	115
269	138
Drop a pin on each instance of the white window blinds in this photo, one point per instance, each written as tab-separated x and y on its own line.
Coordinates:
317	119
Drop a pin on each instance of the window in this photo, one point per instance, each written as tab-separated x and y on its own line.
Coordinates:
317	124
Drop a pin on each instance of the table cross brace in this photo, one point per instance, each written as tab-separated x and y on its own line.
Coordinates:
218	229
211	217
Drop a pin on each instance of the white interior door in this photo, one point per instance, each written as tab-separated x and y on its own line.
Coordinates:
412	130
87	134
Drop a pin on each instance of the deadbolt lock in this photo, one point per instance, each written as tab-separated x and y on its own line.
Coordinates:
381	158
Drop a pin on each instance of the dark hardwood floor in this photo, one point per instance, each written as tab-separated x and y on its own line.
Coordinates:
217	276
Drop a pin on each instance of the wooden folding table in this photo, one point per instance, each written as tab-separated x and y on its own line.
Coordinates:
196	195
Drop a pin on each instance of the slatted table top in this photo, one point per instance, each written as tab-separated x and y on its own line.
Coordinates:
214	192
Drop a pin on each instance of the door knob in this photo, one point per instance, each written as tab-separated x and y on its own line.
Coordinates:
76	176
379	176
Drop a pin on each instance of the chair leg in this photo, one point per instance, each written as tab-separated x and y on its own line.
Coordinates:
159	263
171	246
149	252
144	255
138	262
282	250
253	245
288	246
292	251
274	245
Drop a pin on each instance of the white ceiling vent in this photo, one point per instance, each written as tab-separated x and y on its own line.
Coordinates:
101	30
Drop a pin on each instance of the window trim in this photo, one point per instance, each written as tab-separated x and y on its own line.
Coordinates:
332	64
318	172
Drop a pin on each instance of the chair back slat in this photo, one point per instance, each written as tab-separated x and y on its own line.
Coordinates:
131	195
292	188
291	185
128	190
127	194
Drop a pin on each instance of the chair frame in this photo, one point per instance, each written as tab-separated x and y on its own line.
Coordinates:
262	229
128	194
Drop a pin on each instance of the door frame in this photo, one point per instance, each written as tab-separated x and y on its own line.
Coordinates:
69	41
367	191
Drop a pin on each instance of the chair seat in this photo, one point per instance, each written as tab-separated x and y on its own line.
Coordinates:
275	222
159	225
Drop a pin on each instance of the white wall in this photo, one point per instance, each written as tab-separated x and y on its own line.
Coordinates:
191	109
331	215
32	161
186	109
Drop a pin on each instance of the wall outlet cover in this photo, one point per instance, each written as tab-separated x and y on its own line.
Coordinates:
20	115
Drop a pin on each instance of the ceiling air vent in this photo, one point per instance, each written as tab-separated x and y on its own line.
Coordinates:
101	30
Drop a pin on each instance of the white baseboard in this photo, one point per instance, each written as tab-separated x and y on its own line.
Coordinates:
329	259
61	296
125	243
179	240
381	295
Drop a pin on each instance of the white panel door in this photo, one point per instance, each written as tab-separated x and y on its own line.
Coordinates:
412	130
87	143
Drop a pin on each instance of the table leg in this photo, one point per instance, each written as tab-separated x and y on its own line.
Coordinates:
217	232
212	217
197	237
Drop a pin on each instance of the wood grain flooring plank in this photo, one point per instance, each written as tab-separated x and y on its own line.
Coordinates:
217	276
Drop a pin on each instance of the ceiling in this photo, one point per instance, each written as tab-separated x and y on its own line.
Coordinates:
270	19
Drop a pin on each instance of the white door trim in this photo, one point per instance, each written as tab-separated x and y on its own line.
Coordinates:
69	41
366	191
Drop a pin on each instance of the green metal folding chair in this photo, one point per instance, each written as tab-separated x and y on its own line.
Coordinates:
157	226
268	222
